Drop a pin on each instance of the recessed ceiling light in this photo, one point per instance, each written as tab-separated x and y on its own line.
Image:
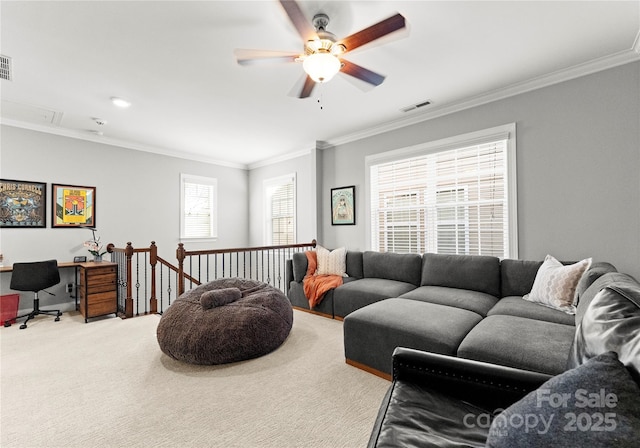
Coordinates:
120	102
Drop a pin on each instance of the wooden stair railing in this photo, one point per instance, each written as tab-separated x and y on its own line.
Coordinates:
182	255
129	276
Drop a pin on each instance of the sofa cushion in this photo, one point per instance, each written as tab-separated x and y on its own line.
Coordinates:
473	272
392	266
300	265
372	333
354	264
610	323
362	292
516	306
594	405
555	284
517	276
478	302
406	419
519	342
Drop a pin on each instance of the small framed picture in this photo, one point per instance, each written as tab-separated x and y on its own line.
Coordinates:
73	206
343	206
80	259
23	204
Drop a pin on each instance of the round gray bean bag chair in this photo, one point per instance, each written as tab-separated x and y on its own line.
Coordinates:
225	321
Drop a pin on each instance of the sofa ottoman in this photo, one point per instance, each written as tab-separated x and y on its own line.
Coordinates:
372	333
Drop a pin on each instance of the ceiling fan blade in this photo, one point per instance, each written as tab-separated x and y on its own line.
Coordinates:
361	73
304	27
380	29
307	89
256	57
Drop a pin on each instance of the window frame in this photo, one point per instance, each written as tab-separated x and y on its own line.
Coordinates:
505	132
212	182
274	183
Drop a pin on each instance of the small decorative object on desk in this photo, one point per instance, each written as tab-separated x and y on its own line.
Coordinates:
95	247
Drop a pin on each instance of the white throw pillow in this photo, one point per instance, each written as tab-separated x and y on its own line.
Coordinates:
555	284
332	263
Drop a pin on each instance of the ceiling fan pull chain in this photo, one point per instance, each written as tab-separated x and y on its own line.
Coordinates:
320	97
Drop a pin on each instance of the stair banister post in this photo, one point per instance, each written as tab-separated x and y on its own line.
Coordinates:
153	260
180	255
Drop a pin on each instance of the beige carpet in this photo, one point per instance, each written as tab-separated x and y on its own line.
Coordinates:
107	384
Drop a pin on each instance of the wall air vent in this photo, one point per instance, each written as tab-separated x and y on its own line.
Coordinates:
415	106
6	71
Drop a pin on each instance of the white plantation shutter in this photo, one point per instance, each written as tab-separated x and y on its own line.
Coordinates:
280	210
452	200
198	207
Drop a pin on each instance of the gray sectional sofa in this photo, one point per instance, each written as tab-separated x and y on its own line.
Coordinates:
466	306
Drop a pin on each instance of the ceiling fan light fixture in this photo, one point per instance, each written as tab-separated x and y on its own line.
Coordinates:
321	66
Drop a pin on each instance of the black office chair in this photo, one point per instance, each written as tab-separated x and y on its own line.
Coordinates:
35	276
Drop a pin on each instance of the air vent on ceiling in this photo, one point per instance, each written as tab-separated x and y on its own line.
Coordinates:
5	68
415	106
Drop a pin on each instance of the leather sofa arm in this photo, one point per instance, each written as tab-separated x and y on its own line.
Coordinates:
483	384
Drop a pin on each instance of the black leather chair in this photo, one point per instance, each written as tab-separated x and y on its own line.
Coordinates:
443	401
35	277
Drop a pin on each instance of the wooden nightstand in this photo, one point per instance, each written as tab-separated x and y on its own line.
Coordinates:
98	289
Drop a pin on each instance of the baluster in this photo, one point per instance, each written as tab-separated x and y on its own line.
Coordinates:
180	255
128	303
137	284
153	260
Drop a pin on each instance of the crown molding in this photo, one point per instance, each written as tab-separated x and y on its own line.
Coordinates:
577	71
282	158
80	135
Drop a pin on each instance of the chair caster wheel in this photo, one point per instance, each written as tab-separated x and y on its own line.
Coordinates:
57	319
7	324
23	326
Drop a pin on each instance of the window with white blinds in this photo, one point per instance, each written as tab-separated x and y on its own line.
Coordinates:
280	200
198	214
451	197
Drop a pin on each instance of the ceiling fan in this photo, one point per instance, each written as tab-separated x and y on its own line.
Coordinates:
323	53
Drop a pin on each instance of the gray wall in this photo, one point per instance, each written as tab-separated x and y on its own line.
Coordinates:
303	167
578	146
137	197
578	162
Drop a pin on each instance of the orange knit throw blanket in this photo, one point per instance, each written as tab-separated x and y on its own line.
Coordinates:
316	286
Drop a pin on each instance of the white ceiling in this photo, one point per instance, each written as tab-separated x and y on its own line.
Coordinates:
174	61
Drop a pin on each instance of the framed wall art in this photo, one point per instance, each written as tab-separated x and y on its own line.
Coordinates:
23	204
73	206
343	206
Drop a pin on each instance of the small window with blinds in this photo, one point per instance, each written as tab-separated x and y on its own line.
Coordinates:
450	197
280	200
198	214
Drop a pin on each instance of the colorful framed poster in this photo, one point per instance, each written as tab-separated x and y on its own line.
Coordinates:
73	206
23	204
343	206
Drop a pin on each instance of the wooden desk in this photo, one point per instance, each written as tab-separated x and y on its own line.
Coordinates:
67	264
97	288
